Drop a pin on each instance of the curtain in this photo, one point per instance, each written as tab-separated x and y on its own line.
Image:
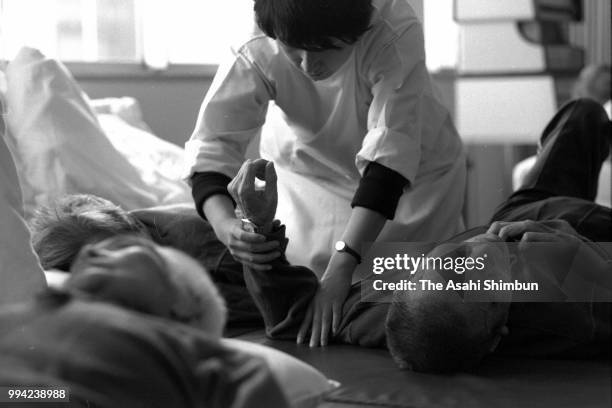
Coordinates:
593	34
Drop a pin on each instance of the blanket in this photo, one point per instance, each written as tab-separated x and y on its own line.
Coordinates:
112	357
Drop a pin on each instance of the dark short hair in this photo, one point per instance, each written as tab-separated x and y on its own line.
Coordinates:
313	25
433	337
61	229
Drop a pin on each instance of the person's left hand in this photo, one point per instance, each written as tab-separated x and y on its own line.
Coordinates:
545	247
325	310
561	252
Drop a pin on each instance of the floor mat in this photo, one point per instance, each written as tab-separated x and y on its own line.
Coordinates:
369	378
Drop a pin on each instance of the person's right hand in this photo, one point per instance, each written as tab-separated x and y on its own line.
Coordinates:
249	248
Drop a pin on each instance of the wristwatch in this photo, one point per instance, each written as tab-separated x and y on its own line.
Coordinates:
341	246
250	226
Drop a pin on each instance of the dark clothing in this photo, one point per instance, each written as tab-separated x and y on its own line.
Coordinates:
208	184
112	357
562	185
563	182
380	190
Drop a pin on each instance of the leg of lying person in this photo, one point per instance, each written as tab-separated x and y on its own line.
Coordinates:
562	186
563	182
20	273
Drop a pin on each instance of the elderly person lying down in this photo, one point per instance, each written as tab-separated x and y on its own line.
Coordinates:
437	331
62	228
135	325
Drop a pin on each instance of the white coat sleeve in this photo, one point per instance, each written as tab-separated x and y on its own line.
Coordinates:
232	114
400	86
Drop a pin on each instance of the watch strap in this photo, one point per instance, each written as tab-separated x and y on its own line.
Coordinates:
349	250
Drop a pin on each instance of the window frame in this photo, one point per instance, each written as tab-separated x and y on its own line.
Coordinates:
110	70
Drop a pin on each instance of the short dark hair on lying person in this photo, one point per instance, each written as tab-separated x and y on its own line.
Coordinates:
430	336
60	229
313	25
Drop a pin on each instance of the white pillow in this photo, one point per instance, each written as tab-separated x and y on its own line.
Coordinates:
56	279
159	163
304	385
58	144
125	107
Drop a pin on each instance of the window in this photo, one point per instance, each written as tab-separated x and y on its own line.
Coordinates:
71	30
158	33
164	32
441	34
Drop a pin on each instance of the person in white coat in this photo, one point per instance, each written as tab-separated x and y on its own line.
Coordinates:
340	93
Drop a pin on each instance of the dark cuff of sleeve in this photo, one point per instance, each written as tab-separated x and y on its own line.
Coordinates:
380	189
207	184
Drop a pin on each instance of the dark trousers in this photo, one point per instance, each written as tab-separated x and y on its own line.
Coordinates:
563	182
562	185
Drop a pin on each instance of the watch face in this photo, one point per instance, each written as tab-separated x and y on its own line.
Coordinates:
247	225
340	246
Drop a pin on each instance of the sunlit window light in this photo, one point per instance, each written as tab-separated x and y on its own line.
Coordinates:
441	34
163	32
